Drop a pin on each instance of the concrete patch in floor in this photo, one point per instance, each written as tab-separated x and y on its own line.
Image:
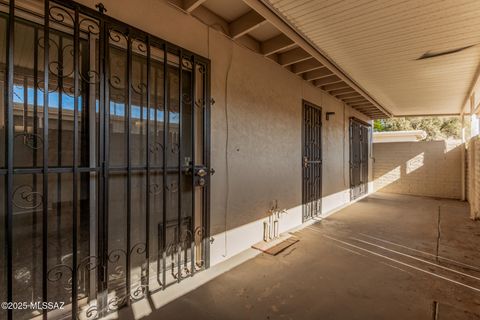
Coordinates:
276	246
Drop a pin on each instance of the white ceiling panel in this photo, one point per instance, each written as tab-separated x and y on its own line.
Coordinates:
378	43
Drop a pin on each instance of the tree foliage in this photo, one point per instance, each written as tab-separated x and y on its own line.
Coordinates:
437	128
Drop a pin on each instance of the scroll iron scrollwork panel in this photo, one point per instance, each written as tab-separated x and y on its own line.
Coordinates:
24	197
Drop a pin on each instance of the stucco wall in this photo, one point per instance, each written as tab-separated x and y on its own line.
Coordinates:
428	168
472	174
258	158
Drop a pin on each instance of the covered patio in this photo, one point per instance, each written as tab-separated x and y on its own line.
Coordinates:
385	257
147	146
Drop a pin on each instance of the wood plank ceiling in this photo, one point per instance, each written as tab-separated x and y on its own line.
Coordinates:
416	57
255	27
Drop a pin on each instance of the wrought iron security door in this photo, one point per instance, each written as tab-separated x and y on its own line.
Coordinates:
312	161
359	141
105	179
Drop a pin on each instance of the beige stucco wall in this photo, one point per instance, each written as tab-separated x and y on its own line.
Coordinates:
428	168
472	174
264	106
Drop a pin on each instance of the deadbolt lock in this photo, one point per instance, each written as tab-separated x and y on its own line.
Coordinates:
201	172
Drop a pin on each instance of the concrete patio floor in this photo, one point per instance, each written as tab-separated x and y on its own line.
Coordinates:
384	257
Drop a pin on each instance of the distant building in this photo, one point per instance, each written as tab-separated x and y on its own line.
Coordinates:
399	136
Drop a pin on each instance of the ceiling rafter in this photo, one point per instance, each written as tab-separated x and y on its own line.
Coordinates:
276	44
317	74
283	26
327	80
336	86
246	23
293	56
190	5
305	66
287	49
341	91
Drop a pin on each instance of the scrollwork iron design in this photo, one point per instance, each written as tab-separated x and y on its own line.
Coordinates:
90	25
155	147
92	312
172	187
139	88
114	257
24	197
201	68
155	189
61	15
89	75
31	140
200	103
139	45
116	36
186	63
115	82
186	99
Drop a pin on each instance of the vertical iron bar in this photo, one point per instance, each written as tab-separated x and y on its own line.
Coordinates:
179	193
155	120
102	194
59	124
320	164
46	38
76	48
302	161
9	153
206	152
25	106
147	218
129	158
59	145
165	141
35	132
310	166
307	169
193	96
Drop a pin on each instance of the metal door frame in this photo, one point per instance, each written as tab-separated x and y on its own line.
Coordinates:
309	210
74	11
363	169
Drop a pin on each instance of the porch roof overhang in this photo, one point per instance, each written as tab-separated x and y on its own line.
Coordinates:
383	59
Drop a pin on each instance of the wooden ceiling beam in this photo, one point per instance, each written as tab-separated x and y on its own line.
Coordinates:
345	95
327	80
293	56
276	44
317	74
305	66
341	91
246	23
190	5
336	86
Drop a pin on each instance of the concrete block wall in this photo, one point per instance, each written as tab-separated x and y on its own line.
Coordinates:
425	168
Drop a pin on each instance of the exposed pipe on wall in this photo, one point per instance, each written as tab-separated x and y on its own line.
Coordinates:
227	143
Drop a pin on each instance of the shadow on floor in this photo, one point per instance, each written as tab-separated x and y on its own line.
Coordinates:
385	257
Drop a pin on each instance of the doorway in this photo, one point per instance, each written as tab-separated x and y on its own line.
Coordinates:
359	154
311	161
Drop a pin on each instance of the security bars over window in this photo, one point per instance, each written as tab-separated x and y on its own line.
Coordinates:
105	179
